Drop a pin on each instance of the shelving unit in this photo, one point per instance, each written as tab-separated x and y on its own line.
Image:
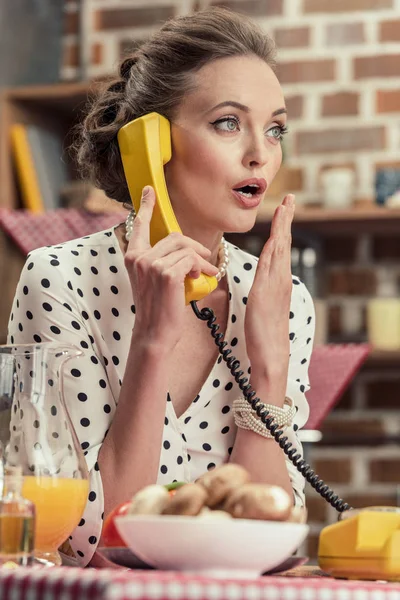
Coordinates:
58	107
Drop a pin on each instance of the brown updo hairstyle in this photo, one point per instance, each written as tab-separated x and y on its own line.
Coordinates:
155	78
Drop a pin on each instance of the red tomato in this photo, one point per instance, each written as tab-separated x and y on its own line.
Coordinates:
110	533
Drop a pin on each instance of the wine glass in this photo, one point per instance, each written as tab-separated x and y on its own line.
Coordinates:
38	436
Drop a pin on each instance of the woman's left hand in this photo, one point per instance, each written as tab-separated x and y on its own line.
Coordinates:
268	306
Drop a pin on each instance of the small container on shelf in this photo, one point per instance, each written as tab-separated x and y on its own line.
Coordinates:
383	313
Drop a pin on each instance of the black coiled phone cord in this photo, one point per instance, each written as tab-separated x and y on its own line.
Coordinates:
207	314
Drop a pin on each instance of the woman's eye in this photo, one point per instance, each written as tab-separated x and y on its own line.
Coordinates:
227	124
277	132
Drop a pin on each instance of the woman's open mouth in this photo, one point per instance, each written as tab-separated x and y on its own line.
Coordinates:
250	192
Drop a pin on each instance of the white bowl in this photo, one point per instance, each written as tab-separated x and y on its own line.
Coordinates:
238	548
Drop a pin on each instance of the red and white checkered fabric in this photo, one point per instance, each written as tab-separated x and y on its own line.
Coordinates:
67	583
332	367
30	230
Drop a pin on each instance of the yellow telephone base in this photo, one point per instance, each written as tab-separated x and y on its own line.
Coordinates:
363	546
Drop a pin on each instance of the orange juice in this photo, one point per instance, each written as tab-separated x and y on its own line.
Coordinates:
59	504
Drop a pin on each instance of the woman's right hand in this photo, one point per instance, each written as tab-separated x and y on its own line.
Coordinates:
157	275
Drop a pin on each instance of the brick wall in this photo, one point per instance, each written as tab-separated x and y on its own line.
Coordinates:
339	63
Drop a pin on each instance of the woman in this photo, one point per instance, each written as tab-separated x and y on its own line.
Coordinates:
153	402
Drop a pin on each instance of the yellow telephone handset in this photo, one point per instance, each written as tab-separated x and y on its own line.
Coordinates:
145	147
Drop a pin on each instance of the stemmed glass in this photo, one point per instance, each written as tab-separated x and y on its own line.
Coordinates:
38	436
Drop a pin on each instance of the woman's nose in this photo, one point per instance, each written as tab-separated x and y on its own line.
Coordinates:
256	154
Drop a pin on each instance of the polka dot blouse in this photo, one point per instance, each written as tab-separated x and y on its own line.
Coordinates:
79	293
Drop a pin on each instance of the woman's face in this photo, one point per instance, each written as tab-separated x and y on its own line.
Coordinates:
226	135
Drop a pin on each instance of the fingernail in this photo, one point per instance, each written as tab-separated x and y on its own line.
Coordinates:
146	191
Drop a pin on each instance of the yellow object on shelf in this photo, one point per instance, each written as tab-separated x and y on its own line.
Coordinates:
363	546
26	171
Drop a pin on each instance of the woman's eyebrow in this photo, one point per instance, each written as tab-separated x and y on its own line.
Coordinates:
245	108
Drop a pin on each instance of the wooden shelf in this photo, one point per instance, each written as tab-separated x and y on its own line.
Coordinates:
374	218
57	107
383	358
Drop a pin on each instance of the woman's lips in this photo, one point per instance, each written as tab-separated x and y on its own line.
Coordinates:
246	202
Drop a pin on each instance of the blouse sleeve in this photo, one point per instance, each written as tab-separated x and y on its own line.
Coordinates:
302	326
45	309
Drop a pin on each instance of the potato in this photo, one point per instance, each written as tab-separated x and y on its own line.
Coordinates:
259	501
213	515
188	500
149	501
221	482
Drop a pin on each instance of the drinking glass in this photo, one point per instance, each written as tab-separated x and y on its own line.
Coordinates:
38	436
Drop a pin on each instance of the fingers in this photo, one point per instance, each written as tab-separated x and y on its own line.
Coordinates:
184	262
176	241
140	238
279	242
283	217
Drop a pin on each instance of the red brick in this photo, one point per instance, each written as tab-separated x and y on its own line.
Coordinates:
97	53
307	71
334	6
385	470
388	101
294	105
343	34
254	8
337	428
340	104
341	140
71	23
335	470
389	31
383	394
131	17
385	65
71	55
371	499
292	37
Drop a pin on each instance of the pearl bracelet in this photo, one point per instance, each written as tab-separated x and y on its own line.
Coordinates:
246	417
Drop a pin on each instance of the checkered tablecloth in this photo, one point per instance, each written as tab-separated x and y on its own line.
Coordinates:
29	230
67	583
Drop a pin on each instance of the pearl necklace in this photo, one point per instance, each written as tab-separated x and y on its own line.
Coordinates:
223	252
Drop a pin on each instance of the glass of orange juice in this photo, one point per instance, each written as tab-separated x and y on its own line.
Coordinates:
38	435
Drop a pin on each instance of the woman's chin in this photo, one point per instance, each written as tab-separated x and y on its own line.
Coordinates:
243	224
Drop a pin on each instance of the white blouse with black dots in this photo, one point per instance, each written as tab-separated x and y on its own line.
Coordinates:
79	293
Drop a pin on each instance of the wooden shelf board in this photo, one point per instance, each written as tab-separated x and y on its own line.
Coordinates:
314	215
373	219
383	357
